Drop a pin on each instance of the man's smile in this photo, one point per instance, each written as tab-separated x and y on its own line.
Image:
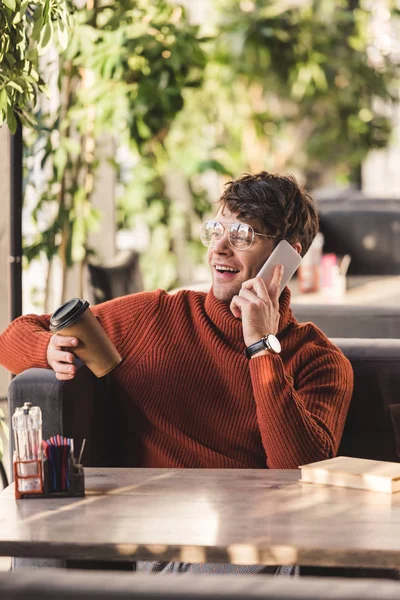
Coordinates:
225	272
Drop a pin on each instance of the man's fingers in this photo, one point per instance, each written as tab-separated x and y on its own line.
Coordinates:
62	357
62	340
275	285
59	358
258	285
64	376
236	306
63	367
250	295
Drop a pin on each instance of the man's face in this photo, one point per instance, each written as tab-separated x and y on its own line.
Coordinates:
246	263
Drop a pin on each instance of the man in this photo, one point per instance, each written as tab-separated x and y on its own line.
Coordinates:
189	393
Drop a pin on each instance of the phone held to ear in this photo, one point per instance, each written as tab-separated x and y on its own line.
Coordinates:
284	255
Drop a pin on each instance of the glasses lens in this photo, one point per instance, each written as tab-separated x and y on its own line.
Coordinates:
241	236
211	232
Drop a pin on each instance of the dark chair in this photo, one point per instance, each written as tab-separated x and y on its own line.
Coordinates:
372	427
367	230
119	277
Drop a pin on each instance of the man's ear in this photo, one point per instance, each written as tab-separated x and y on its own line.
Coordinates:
297	247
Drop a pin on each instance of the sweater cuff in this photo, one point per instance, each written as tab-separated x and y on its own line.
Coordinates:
41	348
27	356
266	369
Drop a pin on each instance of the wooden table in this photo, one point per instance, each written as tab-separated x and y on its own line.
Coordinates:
197	515
379	290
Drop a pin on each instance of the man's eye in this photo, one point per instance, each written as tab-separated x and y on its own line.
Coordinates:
238	238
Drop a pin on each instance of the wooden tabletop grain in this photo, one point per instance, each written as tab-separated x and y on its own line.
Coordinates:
204	515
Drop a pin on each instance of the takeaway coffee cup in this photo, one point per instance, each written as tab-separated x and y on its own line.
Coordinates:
74	318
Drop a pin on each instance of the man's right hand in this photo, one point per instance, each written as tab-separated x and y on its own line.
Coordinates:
58	357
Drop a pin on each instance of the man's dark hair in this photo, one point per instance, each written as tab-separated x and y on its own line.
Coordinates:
278	202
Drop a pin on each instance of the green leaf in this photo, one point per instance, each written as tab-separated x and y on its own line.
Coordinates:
17	18
45	38
14	85
11	120
3	106
24	6
46	10
11	4
62	34
37	29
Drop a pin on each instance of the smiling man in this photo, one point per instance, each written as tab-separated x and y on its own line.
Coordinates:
227	379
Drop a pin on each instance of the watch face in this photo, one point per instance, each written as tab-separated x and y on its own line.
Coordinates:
274	343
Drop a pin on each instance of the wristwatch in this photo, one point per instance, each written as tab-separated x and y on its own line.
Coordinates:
269	342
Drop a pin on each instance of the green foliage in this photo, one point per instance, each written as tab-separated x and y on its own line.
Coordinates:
314	65
284	87
124	71
27	28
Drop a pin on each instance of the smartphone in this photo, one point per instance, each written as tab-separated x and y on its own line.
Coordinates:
284	255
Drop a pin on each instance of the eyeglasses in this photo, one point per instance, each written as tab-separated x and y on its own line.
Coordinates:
240	235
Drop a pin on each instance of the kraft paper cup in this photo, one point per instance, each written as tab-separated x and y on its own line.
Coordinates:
74	318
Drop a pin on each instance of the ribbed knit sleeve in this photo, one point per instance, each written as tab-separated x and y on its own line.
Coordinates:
24	343
302	421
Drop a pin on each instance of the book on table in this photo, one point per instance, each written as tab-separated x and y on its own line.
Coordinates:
359	473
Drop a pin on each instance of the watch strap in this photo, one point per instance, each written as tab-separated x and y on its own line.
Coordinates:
256	347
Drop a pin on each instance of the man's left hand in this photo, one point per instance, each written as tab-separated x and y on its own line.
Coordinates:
258	306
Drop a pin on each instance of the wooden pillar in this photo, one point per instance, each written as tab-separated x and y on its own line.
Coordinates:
5	308
5	301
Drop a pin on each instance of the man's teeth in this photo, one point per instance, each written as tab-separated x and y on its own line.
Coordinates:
227	269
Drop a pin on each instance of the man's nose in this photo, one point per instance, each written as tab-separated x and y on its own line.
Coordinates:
222	245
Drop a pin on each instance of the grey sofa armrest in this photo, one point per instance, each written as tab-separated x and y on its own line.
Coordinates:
42	388
79	408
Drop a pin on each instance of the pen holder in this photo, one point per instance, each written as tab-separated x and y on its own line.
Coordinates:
76	481
33	479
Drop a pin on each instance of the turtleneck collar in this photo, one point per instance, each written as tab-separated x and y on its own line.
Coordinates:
220	314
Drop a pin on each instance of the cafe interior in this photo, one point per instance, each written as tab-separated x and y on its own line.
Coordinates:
150	108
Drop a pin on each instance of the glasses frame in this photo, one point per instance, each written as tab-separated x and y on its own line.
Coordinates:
228	227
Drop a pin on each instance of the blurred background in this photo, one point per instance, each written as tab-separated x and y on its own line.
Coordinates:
149	108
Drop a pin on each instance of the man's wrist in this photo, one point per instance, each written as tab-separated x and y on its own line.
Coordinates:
261	353
268	342
256	338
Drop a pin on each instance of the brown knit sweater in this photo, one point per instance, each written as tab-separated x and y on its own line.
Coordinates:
188	396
